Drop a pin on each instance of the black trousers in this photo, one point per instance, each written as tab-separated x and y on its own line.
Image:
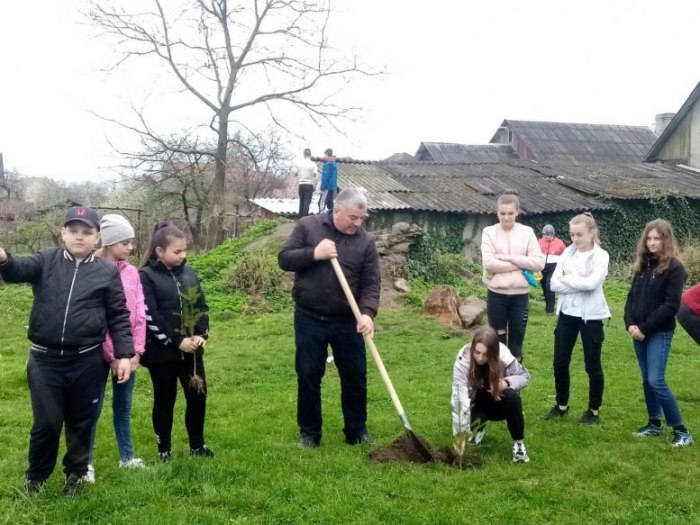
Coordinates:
510	408
63	389
508	316
164	377
312	339
690	321
306	191
329	199
546	290
592	337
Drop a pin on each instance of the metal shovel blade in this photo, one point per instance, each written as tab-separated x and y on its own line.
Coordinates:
417	442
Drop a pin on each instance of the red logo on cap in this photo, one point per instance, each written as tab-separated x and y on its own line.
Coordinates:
81	212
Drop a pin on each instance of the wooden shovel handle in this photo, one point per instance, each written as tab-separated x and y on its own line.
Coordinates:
368	340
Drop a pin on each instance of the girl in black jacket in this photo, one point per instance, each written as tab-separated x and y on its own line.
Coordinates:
652	303
174	350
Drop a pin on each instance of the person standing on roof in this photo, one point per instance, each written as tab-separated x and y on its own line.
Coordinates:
307	172
329	181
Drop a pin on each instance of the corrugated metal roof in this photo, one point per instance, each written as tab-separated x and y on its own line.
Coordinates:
448	152
587	143
542	187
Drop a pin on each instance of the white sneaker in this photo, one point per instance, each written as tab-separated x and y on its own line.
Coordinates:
90	476
519	453
132	463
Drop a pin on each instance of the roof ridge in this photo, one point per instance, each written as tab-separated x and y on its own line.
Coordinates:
579	124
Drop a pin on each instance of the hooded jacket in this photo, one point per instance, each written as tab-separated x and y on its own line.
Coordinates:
567	280
162	289
74	305
463	395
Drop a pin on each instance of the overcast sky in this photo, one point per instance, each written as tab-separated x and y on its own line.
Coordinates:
454	70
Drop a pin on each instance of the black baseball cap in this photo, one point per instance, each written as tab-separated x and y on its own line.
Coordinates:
83	214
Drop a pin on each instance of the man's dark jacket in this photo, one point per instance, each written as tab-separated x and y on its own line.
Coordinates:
317	291
74	306
655	297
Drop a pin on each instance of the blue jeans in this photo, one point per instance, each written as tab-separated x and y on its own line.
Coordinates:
652	354
121	416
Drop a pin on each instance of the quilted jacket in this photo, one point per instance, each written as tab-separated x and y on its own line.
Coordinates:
74	305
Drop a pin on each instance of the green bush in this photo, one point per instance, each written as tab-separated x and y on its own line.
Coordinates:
256	273
690	256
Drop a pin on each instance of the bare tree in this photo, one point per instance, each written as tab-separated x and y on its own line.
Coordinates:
234	55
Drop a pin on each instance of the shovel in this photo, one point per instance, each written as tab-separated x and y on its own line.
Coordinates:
417	443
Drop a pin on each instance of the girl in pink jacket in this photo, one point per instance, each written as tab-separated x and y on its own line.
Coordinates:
117	245
508	248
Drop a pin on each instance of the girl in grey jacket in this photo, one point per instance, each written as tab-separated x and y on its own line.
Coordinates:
485	386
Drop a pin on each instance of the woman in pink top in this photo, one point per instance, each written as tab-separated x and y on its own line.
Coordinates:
689	313
117	245
508	248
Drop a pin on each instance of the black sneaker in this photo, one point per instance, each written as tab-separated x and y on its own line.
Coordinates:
202	452
589	418
649	431
362	439
73	486
681	439
165	456
555	412
34	486
307	441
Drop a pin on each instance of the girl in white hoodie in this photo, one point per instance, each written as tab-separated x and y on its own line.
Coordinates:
579	278
508	248
485	386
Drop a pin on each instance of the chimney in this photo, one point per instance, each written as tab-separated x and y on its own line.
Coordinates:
662	122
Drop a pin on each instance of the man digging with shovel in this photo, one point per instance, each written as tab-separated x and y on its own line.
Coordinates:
323	316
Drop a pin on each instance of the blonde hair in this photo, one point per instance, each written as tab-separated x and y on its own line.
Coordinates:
509	197
669	248
587	220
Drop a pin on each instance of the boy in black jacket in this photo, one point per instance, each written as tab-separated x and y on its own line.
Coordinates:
77	298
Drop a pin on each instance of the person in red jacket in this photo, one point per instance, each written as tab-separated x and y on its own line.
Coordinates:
689	313
552	247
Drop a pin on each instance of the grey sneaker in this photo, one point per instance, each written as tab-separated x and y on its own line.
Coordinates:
477	437
649	431
307	441
519	453
681	439
555	412
362	439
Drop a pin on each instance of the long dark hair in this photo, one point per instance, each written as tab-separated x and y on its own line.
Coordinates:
669	249
163	233
491	371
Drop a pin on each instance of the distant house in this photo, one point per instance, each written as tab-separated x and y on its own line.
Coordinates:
679	143
401	157
572	142
447	152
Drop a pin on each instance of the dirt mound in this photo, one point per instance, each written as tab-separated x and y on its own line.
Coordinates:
403	451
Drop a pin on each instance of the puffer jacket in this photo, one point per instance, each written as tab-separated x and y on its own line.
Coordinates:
74	305
655	297
589	284
161	290
521	243
463	395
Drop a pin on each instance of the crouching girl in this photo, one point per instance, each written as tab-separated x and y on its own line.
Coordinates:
485	386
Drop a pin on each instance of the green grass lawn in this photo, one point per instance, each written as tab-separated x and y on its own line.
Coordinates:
576	475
